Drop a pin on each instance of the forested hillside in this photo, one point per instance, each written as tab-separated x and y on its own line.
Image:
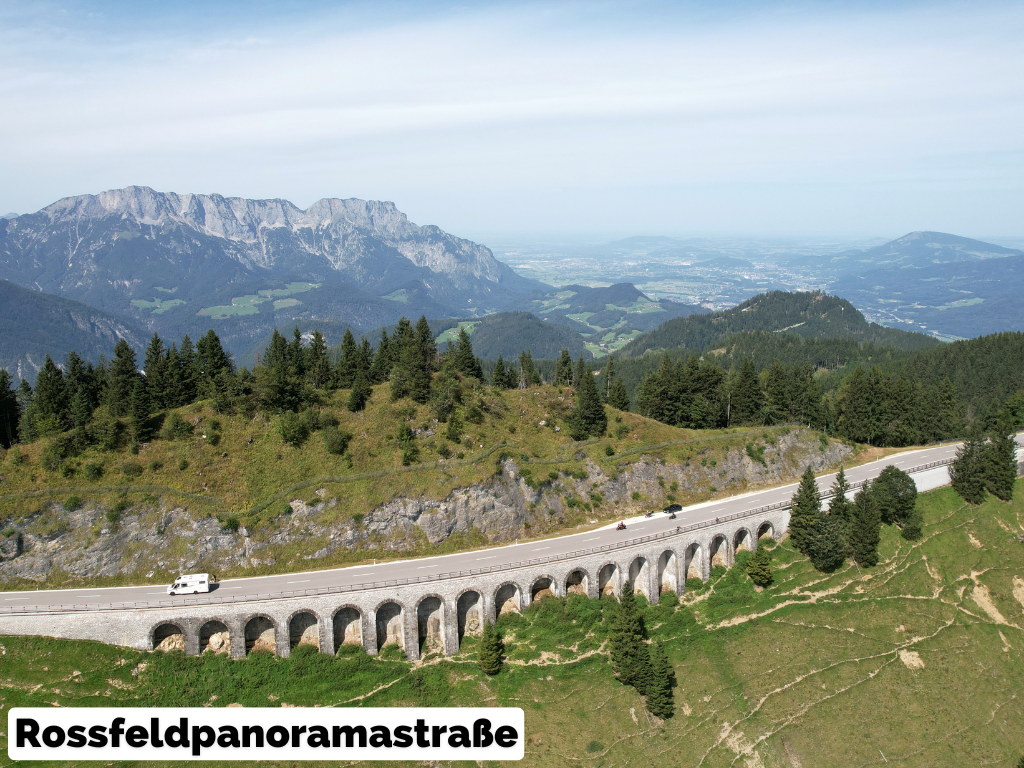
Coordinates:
810	315
34	324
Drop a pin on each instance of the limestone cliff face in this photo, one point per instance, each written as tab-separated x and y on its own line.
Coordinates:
509	505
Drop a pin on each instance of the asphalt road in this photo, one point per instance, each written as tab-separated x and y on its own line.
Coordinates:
464	561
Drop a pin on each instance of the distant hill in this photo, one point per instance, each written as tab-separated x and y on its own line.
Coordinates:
607	317
916	249
807	314
180	263
34	324
509	333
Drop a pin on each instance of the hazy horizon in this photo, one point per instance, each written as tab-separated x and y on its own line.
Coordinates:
529	120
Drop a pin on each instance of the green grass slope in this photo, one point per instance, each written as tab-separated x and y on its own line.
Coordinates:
918	661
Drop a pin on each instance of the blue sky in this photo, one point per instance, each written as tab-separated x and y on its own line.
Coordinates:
512	119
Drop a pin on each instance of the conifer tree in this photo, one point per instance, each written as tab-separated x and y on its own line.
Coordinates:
47	412
759	567
999	459
630	658
498	378
865	527
139	413
839	505
383	359
318	365
579	371
609	377
361	393
563	369
463	359
778	393
187	376
528	375
618	397
211	358
10	414
829	542
747	399
588	418
347	364
660	702
124	373
157	373
966	473
492	650
805	512
426	343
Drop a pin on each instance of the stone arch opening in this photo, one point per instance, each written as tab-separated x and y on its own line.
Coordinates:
766	529
348	627
542	587
470	614
260	635
719	552
608	580
304	629
389	625
430	624
741	541
668	571
507	599
639	574
693	563
168	637
577	583
214	637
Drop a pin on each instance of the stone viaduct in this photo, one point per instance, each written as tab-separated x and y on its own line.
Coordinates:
433	612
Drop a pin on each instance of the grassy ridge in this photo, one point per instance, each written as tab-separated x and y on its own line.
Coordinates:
920	659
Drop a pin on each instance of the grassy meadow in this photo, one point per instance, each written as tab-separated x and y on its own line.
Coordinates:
918	661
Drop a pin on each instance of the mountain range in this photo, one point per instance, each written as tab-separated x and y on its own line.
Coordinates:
182	263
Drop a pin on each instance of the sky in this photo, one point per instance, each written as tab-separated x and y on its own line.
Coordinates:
505	120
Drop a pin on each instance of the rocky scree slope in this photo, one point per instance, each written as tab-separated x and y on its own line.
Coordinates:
154	538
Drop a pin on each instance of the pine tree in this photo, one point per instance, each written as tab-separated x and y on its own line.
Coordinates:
427	345
588	418
630	658
895	494
492	650
361	393
829	543
778	393
211	358
747	399
563	369
10	414
999	459
318	365
805	512
463	359
383	359
140	408
187	377
840	506
124	373
609	377
48	412
157	373
660	702
865	527
759	567
618	397
966	473
580	371
528	375
346	370
498	378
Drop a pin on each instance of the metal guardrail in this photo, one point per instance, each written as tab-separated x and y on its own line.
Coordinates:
289	594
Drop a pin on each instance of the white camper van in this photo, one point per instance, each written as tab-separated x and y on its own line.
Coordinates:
190	584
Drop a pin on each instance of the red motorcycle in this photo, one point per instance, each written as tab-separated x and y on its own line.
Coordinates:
620	527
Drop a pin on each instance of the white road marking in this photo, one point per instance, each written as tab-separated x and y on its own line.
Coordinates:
148	593
224	588
16	598
593	539
487	558
303	581
541	548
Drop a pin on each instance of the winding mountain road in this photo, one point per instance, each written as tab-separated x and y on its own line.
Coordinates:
930	471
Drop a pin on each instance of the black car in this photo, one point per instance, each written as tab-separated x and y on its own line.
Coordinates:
673	508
